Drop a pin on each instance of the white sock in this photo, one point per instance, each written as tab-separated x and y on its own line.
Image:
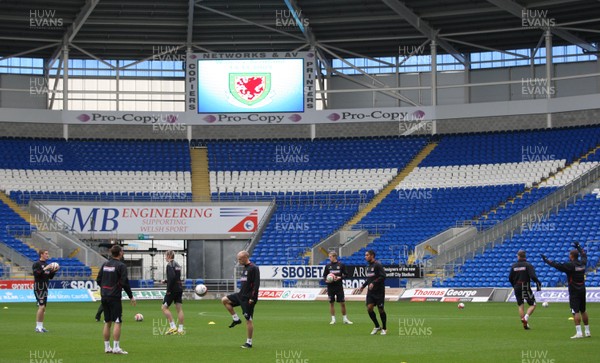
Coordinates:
107	344
332	317
39	325
180	327
249	341
172	324
587	329
578	329
345	318
526	317
235	317
116	344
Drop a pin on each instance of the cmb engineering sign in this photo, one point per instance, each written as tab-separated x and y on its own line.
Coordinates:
131	220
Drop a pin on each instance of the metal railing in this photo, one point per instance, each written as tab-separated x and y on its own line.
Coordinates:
309	198
509	227
374	228
67	235
258	232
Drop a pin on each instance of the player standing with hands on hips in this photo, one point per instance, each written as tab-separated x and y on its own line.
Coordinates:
575	270
112	279
335	289
376	292
520	276
42	273
247	297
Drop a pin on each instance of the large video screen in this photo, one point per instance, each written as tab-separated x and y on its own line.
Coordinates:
250	85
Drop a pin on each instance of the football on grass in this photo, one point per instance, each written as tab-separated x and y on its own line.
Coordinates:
545	304
139	317
461	305
201	290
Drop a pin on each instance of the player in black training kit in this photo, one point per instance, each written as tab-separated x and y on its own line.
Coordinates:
575	270
376	292
335	289
42	273
174	294
520	276
112	279
247	297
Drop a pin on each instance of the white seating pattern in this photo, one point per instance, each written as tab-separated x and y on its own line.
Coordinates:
300	180
95	181
569	174
480	175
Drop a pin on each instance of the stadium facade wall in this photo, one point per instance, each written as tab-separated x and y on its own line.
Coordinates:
18	129
522	76
35	95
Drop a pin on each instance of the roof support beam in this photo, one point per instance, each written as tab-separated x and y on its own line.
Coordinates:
190	24
518	11
29	51
424	28
72	31
376	81
247	21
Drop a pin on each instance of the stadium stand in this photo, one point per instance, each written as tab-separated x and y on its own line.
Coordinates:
14	229
95	170
551	235
442	192
12	226
318	185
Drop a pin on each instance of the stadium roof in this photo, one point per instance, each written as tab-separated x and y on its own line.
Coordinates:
139	29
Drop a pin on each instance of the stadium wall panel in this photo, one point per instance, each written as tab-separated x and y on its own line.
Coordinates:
158	132
23	129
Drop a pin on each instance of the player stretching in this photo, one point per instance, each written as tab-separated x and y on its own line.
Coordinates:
247	297
174	294
42	273
335	289
376	292
575	270
521	274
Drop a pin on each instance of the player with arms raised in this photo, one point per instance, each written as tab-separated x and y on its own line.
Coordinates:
575	270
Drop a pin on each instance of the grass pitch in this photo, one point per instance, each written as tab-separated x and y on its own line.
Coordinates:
299	332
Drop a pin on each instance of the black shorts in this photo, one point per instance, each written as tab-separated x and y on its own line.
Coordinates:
577	301
174	297
247	309
41	296
336	294
376	299
113	310
524	294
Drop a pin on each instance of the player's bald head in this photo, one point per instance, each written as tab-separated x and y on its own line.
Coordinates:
243	257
